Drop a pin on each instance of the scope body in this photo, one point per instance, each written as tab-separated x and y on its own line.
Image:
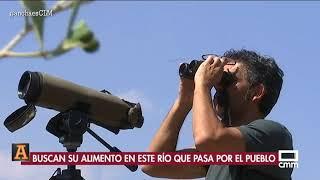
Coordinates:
51	92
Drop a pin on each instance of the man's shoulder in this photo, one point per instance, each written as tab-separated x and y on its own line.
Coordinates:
266	122
269	126
266	135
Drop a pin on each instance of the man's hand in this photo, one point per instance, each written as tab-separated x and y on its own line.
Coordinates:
186	90
166	138
210	72
208	132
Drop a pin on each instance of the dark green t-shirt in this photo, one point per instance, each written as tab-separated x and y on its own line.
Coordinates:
260	136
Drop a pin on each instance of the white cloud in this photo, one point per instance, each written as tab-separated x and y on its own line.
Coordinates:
136	96
13	170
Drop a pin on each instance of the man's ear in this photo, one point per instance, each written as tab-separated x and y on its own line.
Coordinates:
258	92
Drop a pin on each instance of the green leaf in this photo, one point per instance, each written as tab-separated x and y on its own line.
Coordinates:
37	21
81	32
81	36
92	46
78	33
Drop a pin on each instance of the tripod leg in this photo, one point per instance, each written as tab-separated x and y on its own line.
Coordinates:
71	173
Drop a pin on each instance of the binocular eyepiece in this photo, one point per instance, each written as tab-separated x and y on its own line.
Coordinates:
188	70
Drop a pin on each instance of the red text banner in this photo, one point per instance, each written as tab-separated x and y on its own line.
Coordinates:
143	158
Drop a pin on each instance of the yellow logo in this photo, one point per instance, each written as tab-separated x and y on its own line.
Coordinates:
20	152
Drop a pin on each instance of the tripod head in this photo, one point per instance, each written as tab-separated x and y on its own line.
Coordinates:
69	127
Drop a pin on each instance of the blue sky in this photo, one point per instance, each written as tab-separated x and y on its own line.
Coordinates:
142	45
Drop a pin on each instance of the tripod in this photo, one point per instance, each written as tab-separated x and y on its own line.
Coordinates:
69	127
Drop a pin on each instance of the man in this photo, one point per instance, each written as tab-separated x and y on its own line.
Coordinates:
252	95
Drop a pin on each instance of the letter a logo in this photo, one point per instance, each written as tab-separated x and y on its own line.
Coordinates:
20	152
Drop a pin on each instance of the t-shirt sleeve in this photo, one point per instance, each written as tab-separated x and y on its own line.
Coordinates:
266	136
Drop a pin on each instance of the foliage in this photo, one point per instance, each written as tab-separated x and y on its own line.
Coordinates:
79	35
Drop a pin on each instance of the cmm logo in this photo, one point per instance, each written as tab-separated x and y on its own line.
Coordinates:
20	152
288	158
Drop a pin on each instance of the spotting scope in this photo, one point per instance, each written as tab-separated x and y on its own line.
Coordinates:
47	91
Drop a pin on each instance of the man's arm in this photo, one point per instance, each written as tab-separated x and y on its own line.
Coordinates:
176	171
208	132
166	139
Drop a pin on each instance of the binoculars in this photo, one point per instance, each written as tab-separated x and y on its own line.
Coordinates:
188	71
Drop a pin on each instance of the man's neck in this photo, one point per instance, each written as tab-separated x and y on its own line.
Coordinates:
245	118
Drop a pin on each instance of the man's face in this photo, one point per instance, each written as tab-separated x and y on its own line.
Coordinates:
237	91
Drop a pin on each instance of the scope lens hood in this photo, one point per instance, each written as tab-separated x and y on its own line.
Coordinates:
135	116
29	87
20	117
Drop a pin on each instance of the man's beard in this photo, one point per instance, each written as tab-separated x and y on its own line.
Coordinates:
221	103
234	110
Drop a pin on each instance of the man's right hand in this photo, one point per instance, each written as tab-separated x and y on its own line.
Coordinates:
176	171
166	137
186	89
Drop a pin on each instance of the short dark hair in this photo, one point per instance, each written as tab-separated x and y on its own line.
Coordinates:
261	69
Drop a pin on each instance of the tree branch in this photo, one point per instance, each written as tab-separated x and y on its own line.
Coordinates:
46	54
75	10
6	50
63	5
17	38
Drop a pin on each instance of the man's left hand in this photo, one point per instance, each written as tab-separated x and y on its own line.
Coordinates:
210	72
